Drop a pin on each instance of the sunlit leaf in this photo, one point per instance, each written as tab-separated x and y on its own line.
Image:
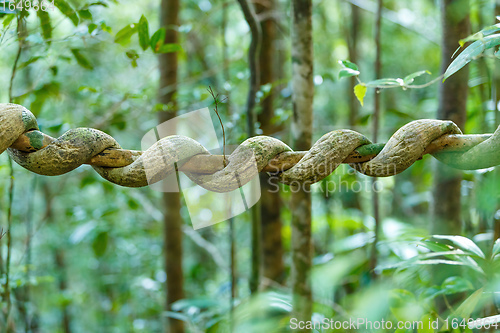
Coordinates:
456	284
67	10
92	27
480	35
360	92
496	248
81	59
462	243
410	78
347	72
85	14
427	320
8	19
158	39
123	36
28	62
348	64
133	56
471	52
45	24
176	315
143	29
169	48
386	83
469	305
100	244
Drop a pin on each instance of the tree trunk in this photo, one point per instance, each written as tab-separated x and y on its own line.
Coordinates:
303	94
59	261
272	247
172	219
446	207
254	84
352	45
452	106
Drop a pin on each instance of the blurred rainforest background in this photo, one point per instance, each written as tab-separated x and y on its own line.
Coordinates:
80	254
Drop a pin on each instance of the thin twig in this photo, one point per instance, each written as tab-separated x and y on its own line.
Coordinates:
216	109
16	61
376	119
253	60
11	181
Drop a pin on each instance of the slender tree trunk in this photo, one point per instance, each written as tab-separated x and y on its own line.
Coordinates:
376	126
496	93
232	247
303	94
169	19
452	106
272	247
59	261
446	207
353	56
253	61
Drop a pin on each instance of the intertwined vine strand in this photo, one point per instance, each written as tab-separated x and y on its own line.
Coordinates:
45	155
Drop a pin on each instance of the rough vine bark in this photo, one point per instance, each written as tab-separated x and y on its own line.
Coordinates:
272	247
169	18
303	94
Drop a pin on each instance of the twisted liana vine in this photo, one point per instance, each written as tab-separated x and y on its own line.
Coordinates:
49	156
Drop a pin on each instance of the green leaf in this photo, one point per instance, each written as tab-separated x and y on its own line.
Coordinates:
85	14
385	83
360	92
143	29
28	62
67	11
158	39
8	19
106	28
347	72
470	52
427	320
133	56
410	78
92	27
123	36
469	305
481	34
45	24
496	248
177	315
348	64
463	243
456	284
169	48
81	59
100	244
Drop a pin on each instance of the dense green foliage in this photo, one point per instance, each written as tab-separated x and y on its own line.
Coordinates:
89	252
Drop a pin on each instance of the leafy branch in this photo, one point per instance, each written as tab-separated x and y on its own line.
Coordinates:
351	69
